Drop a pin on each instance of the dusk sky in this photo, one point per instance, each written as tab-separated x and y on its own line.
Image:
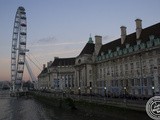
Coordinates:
62	27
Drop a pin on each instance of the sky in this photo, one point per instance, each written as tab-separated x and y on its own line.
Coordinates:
61	28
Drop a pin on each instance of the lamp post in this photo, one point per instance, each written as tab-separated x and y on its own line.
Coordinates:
70	89
90	91
153	90
124	94
105	91
79	90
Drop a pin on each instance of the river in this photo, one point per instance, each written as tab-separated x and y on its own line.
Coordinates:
12	108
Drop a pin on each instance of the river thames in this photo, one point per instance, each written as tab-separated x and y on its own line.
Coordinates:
12	108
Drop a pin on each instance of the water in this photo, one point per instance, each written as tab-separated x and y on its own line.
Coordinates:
12	108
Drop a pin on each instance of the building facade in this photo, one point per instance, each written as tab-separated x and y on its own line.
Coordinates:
62	74
130	64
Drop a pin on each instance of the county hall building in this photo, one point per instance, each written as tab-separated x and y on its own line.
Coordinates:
129	64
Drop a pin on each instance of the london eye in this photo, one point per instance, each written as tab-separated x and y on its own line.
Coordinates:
18	49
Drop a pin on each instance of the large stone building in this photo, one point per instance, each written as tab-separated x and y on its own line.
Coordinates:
129	64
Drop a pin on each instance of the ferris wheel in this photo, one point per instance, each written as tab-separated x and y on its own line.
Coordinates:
18	50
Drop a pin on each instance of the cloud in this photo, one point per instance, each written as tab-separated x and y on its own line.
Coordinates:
46	40
56	44
51	41
58	53
42	41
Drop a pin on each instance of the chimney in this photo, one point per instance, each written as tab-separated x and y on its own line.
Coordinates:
123	34
44	66
98	44
138	27
47	64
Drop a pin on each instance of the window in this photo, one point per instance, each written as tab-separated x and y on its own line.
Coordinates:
126	67
127	82
121	68
130	49
151	37
159	70
124	50
90	77
104	72
115	53
90	84
136	47
137	64
146	92
126	73
132	73
151	66
102	53
111	54
107	56
132	82
100	73
144	63
103	57
112	83
133	92
139	91
118	48
145	82
137	82
120	52
116	83
127	45
138	72
157	41
144	71
142	46
158	61
151	70
131	64
149	44
109	51
100	83
138	42
121	83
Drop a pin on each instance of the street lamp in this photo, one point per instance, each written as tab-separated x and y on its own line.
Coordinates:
70	89
125	96
90	90
105	91
153	90
124	92
79	90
